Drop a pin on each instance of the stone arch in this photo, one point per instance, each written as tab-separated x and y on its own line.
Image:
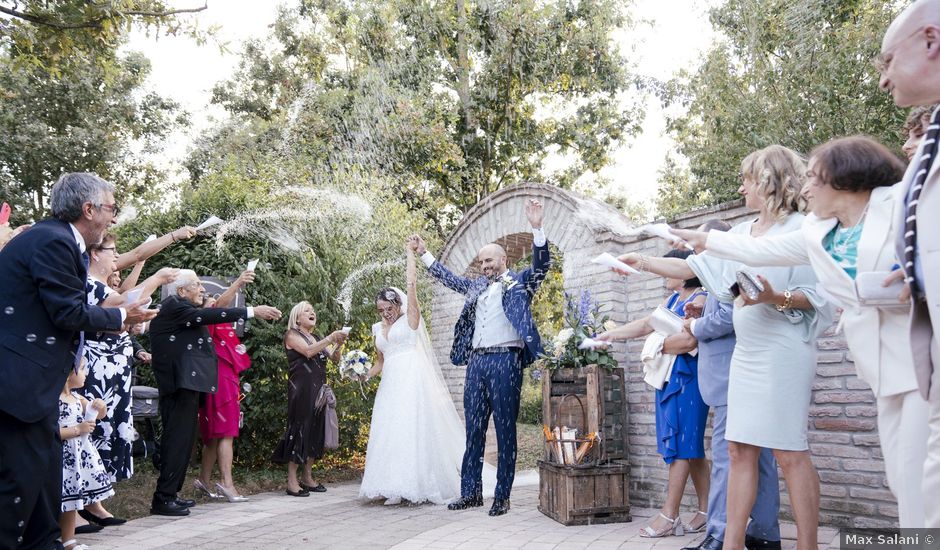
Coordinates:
579	226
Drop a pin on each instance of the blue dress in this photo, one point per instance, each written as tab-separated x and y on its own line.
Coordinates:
681	413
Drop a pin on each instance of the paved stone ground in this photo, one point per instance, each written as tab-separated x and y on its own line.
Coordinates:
336	519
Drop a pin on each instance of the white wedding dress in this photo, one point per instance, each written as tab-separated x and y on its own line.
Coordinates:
416	439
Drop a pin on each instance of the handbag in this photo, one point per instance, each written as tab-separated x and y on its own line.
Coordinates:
326	399
871	293
748	284
665	321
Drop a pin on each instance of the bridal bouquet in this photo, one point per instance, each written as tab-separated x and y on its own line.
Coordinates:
355	365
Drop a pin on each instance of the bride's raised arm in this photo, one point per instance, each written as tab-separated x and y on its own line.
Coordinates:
411	279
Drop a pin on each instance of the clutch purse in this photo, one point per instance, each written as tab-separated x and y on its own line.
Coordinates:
871	293
748	284
665	321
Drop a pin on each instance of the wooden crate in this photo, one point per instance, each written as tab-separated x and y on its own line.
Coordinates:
574	495
603	394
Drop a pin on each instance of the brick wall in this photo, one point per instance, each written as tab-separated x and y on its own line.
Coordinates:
842	426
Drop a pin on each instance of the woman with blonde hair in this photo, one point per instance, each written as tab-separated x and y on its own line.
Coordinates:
307	354
774	360
849	235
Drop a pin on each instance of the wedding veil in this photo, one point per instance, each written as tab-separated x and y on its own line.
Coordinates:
452	429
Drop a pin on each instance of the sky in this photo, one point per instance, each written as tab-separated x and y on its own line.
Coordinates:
669	39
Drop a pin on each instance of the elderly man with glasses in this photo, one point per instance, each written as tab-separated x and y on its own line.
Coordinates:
910	72
185	365
43	319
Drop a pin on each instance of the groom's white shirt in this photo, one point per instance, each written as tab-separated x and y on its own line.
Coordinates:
492	328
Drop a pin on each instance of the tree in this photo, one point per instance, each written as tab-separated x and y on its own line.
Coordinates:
793	72
442	103
57	34
79	121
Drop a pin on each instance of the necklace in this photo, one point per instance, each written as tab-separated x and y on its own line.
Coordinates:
843	238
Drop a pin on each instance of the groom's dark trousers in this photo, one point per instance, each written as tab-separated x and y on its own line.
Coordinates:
493	386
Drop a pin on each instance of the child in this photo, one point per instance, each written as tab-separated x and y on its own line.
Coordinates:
84	479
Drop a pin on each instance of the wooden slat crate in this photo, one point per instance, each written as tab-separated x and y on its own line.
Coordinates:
603	394
574	495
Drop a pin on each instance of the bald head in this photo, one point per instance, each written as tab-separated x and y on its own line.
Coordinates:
910	53
492	260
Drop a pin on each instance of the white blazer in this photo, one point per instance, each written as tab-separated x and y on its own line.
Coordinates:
884	362
925	314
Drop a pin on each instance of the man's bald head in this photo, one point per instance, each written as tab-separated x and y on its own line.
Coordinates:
492	260
910	54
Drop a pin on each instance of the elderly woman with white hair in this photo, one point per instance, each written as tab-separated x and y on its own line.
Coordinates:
307	354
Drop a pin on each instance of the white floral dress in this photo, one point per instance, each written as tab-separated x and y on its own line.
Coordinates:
109	359
84	479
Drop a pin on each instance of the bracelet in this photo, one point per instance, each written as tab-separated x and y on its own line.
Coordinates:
644	264
173	236
787	301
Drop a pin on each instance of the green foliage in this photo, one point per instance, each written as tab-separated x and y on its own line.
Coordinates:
332	246
62	36
530	404
797	73
438	103
79	121
583	320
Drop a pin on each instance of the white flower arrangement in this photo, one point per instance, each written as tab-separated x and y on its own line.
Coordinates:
507	281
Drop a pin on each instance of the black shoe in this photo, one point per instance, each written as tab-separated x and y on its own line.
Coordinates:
500	507
463	503
710	543
301	493
161	507
104	522
754	543
88	529
319	488
185	502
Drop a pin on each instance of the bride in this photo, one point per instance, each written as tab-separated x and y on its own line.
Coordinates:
416	439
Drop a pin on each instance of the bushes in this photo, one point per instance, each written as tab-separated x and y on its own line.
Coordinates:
331	246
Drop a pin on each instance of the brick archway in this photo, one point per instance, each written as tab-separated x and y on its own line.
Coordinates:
579	226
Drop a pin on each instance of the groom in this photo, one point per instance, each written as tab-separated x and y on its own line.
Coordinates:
495	337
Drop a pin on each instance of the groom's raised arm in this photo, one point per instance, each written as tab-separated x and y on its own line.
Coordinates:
533	276
438	271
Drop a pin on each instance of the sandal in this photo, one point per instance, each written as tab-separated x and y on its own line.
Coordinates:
73	544
202	488
688	526
675	528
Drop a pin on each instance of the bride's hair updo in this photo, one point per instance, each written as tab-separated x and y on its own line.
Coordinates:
389	295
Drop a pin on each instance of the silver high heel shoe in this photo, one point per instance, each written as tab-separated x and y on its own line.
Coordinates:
230	496
201	488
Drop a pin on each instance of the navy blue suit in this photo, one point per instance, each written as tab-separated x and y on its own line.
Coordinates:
494	380
42	309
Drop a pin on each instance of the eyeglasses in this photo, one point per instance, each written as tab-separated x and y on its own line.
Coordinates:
113	208
111	248
883	60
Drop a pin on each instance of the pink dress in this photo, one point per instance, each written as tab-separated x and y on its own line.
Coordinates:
220	411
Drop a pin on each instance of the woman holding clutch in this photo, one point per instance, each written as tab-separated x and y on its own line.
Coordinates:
681	413
774	360
849	242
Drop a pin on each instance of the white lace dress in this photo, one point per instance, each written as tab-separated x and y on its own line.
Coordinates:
416	439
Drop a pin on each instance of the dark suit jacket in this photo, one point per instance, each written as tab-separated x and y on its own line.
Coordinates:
43	306
183	352
517	304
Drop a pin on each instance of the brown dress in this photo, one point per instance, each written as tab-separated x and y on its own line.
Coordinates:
303	439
